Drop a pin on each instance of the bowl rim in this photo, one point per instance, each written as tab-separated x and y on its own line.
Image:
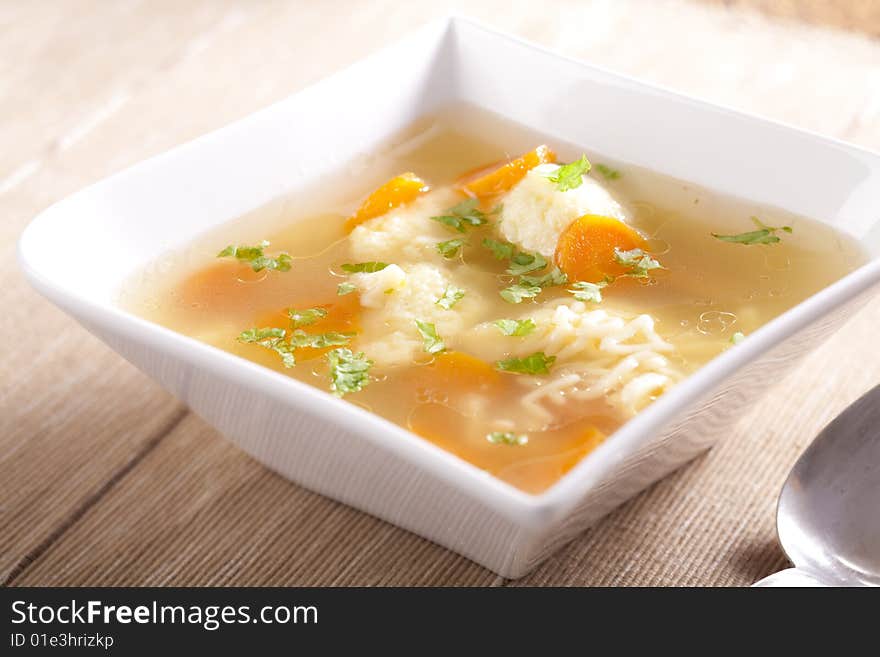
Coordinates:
534	511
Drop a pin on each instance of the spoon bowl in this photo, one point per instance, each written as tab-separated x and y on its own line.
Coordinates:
828	518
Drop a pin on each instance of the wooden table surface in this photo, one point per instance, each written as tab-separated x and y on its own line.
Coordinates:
106	480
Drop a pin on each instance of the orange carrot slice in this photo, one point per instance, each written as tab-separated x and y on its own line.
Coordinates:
585	250
506	176
223	285
455	370
398	191
342	316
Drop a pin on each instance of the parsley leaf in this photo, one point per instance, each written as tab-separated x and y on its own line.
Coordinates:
764	235
450	248
345	288
451	296
501	250
537	363
507	438
585	291
517	292
463	215
364	267
254	256
639	262
515	327
349	372
570	176
433	343
300	338
607	172
523	263
554	277
272	339
300	318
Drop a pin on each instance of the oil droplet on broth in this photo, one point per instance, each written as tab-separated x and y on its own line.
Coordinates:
715	322
657	246
775	260
250	280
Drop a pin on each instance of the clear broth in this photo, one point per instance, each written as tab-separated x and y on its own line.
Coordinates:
710	290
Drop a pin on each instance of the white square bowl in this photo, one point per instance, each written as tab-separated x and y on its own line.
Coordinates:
342	451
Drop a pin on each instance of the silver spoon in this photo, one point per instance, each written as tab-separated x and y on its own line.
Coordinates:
828	518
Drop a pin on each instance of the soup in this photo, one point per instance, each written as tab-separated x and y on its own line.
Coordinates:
498	293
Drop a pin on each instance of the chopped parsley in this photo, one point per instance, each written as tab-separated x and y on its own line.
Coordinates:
364	267
764	235
554	277
639	262
300	338
349	372
254	256
450	248
523	263
463	215
607	172
345	288
737	337
515	327
589	292
570	176
433	343
451	296
300	318
507	438
518	292
537	363
272	339
501	250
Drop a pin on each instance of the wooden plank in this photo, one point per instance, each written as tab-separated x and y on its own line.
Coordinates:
74	417
197	511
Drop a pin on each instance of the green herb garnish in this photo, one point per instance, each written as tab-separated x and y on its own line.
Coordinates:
463	215
764	235
523	263
433	343
345	288
554	277
507	438
537	363
451	296
501	250
570	176
349	372
254	256
450	248
272	339
517	292
515	327
300	318
589	292
300	338
607	172
639	262
364	267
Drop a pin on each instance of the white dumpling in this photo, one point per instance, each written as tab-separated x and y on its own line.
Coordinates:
394	301
406	234
535	212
